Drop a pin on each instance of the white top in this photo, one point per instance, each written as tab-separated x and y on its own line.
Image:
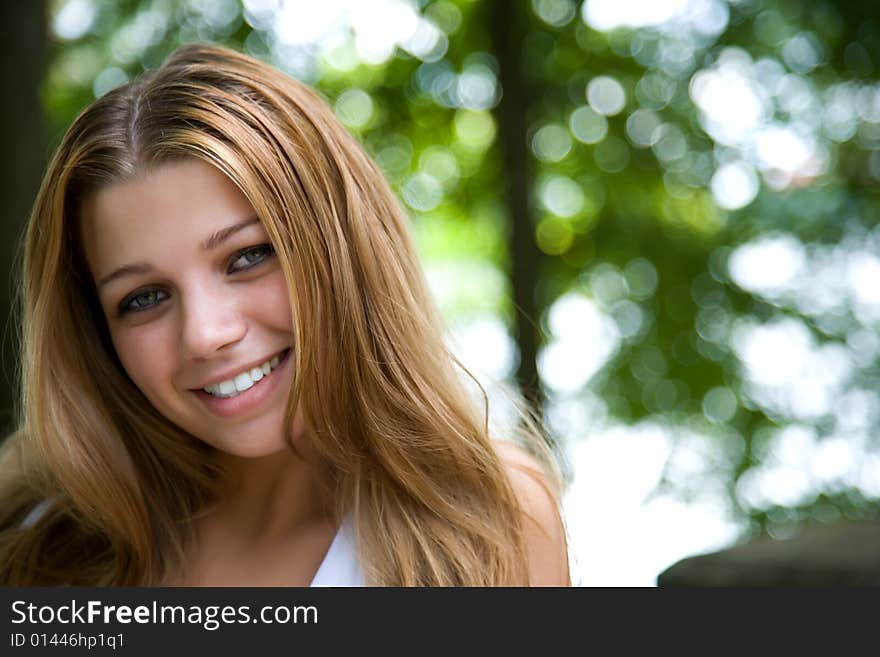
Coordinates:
340	566
34	514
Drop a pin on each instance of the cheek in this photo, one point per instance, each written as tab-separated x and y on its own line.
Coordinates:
146	356
272	303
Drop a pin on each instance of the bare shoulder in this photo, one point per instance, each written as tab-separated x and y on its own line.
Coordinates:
542	524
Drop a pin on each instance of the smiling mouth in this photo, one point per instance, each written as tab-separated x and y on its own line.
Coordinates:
247	379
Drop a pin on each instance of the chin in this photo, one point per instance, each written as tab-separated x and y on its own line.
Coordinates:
251	450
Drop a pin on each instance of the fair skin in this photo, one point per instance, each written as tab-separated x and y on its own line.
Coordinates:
545	539
194	317
187	313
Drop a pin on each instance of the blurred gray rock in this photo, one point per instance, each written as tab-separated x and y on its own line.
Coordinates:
843	554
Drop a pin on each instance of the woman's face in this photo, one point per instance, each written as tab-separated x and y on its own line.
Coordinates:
196	303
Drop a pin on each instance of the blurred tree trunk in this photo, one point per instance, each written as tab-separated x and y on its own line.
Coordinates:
23	41
508	22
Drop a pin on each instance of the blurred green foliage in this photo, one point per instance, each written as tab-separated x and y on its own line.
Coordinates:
663	153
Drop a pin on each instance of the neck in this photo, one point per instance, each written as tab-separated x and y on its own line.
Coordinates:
267	497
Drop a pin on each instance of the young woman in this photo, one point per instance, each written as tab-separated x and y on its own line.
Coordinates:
233	373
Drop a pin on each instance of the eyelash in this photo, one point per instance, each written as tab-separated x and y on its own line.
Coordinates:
125	306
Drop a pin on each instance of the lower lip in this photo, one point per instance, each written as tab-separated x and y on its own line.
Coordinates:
249	400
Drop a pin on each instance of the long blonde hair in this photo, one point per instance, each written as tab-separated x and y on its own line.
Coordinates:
404	448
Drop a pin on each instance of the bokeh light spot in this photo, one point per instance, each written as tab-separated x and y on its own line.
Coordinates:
551	143
606	95
474	129
735	185
354	107
587	125
554	235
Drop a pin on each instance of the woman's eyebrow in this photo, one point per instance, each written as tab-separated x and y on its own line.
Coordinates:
125	270
225	233
209	244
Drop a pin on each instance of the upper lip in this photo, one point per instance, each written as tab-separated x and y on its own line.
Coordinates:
238	369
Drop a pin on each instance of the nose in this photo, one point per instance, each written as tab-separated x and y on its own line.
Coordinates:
211	321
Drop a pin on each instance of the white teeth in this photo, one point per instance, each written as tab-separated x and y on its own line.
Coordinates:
243	381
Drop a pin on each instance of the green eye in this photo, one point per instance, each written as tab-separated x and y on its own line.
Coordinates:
142	301
251	257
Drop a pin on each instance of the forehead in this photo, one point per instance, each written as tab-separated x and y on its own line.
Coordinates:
174	205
